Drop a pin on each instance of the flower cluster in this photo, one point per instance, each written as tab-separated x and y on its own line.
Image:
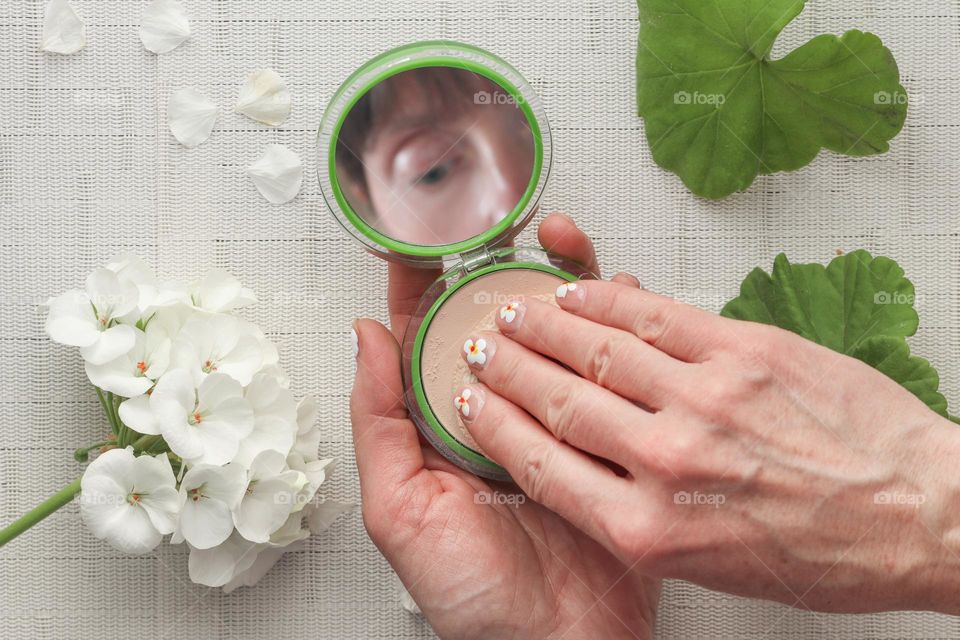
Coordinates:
207	443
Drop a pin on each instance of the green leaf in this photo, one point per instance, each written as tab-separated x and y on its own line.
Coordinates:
854	298
891	356
718	111
858	305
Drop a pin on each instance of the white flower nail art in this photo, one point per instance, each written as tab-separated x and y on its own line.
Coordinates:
508	312
461	403
566	287
474	351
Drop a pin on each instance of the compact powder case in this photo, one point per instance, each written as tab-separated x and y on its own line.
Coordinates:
435	154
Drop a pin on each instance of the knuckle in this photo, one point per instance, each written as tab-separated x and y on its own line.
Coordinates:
537	471
651	325
730	388
563	409
601	359
673	454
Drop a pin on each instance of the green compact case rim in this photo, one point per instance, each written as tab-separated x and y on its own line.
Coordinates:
418	55
483	465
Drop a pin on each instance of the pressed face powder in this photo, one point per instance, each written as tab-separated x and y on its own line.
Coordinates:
468	310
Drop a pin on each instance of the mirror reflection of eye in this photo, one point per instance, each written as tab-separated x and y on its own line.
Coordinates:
437	173
426	159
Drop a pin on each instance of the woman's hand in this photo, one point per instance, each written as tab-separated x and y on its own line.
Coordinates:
480	560
732	454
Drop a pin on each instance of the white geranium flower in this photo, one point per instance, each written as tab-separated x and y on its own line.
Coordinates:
89	319
218	343
63	31
269	498
265	98
164	26
202	425
274	419
219	291
130	502
208	496
133	373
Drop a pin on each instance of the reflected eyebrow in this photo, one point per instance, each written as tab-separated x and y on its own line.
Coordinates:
405	124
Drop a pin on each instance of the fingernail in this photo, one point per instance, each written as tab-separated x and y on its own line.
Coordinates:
477	351
570	295
354	339
510	316
468	403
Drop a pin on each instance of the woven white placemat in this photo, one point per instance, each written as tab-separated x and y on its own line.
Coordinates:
88	168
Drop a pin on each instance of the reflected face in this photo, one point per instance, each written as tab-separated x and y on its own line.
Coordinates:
435	155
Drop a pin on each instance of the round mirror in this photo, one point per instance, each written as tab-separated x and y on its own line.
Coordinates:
435	155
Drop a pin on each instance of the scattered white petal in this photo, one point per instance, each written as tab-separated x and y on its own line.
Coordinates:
192	116
278	174
164	26
63	30
265	98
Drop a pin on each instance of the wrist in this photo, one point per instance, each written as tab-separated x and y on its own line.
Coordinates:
934	534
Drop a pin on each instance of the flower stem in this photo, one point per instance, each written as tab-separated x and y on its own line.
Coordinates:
82	455
106	410
41	511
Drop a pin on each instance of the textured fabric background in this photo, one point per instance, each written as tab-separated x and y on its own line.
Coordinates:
88	168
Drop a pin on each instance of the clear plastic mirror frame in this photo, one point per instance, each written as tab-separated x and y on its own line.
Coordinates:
416	56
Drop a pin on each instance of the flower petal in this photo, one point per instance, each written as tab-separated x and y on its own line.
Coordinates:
216	566
63	31
71	320
205	523
191	116
265	98
137	415
278	174
164	26
321	516
110	344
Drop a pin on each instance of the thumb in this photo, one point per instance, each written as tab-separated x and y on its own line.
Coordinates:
385	440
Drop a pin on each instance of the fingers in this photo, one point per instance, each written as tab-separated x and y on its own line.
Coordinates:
405	286
387	448
683	331
575	410
612	358
559	234
552	473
